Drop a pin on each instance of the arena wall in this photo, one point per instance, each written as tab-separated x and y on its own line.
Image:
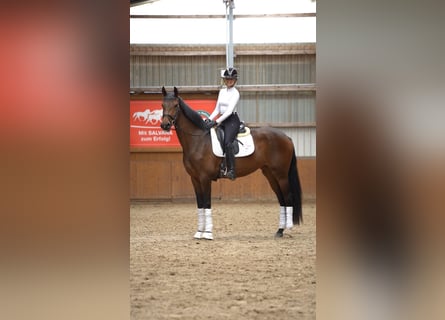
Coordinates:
277	86
160	175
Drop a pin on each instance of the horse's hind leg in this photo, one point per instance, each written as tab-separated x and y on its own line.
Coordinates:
275	185
288	203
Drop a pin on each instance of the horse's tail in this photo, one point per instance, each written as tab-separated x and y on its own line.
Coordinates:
295	188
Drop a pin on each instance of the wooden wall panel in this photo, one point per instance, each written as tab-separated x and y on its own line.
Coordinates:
253	186
150	179
307	169
256	186
182	187
161	176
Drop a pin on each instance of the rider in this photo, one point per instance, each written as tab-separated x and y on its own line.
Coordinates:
226	117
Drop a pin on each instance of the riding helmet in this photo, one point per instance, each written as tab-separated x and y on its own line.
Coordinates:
230	73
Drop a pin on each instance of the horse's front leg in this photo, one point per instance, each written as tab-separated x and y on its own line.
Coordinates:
203	193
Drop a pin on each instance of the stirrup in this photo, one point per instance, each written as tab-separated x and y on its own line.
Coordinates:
231	174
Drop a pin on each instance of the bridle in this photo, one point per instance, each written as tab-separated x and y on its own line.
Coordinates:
172	121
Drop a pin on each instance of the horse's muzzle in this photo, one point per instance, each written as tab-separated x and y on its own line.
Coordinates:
166	126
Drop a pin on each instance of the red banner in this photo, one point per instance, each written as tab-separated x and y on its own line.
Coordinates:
145	122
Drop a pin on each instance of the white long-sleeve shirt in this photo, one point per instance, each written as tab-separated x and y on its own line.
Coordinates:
226	104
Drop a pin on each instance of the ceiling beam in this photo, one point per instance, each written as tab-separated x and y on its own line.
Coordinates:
221	16
134	3
215	88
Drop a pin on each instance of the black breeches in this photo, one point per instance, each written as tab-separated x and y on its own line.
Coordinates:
231	128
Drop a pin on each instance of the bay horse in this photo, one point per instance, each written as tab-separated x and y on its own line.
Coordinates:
274	154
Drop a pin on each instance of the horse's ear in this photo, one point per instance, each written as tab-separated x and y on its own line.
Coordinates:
175	90
164	93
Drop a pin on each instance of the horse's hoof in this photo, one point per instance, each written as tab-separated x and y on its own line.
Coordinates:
207	235
279	233
198	235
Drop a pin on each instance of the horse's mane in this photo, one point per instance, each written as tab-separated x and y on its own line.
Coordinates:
191	114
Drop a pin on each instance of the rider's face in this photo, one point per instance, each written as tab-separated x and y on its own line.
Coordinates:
229	82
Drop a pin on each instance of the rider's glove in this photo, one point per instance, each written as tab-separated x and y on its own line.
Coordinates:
209	123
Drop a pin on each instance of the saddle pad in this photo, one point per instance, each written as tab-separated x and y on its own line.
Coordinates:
246	146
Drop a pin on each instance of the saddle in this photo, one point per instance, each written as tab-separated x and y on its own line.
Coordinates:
243	144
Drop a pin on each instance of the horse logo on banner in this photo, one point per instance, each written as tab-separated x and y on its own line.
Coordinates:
147	116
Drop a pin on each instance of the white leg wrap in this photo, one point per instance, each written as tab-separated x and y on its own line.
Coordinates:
289	217
201	223
208	219
282	224
207	234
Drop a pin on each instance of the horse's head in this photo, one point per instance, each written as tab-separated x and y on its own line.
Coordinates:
170	106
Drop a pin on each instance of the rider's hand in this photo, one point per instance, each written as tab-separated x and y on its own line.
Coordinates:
209	123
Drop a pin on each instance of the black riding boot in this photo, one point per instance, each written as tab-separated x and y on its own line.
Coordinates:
230	160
